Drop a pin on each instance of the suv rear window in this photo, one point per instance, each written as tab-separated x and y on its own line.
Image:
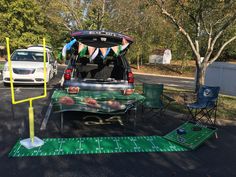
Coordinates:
110	69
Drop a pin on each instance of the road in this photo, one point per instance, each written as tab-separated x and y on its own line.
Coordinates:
216	158
172	81
140	78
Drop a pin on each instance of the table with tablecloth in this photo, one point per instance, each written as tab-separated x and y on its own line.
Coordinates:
98	102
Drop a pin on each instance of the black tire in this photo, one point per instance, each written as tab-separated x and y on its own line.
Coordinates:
48	83
49	79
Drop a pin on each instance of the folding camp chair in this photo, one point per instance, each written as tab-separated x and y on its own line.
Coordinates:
154	98
205	108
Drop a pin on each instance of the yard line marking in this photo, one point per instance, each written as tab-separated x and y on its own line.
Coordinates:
39	150
99	146
60	150
118	147
17	150
80	145
135	144
153	145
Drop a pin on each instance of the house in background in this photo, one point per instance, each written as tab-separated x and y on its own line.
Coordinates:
160	56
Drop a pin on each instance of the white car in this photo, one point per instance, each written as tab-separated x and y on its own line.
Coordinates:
28	66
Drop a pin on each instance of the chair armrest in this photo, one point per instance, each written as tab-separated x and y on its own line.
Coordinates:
168	98
169	101
213	101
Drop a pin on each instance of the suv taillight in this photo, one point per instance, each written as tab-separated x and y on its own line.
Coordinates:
67	74
130	77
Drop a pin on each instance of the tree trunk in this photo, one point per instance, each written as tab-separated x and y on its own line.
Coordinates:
200	77
138	62
138	58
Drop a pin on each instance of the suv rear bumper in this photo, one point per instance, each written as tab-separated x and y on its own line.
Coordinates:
100	86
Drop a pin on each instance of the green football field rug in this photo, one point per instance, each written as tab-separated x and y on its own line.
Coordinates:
98	145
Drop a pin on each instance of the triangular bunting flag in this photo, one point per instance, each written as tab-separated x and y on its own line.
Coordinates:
103	51
125	44
95	53
70	44
116	50
64	51
124	41
82	49
91	50
108	51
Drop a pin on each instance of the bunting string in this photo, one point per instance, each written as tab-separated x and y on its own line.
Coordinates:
92	51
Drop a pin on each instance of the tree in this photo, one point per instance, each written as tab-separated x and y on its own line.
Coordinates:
204	23
59	22
131	17
78	14
22	21
96	14
125	16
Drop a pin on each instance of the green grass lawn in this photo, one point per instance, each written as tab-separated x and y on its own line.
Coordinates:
1	66
226	104
175	69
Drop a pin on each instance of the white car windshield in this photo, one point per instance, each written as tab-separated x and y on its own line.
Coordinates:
27	56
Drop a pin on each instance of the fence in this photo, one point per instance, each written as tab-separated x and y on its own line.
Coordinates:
224	75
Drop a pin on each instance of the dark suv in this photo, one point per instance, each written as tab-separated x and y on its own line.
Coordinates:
96	61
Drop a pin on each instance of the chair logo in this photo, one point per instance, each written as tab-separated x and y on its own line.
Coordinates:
207	93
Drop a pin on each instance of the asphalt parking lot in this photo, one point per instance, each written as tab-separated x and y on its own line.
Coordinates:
215	158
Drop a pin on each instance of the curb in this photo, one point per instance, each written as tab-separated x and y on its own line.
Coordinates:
62	64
